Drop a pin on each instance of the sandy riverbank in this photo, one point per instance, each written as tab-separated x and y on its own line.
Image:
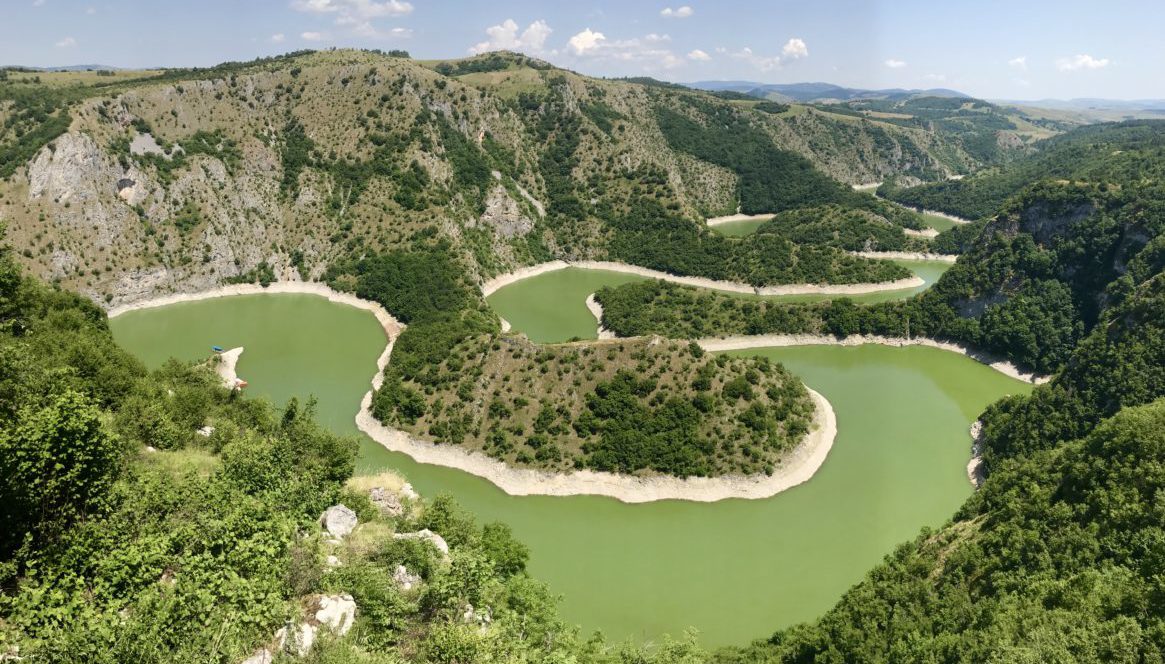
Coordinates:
493	285
906	256
929	233
797	468
227	367
770	340
975	473
596	310
386	320
868	186
728	219
944	215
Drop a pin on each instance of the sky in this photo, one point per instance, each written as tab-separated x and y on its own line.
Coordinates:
987	48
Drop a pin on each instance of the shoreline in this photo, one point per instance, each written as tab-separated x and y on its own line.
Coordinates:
596	310
729	218
944	215
227	367
929	233
798	467
743	342
975	471
501	281
907	256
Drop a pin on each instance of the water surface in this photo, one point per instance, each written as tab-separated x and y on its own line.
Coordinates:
737	569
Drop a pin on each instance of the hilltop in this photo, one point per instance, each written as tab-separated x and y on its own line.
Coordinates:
141	183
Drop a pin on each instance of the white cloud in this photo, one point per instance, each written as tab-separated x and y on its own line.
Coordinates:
357	9
794	49
278	38
67	42
1082	61
358	15
1019	63
698	55
679	12
895	64
587	40
312	36
650	52
37	3
937	78
506	37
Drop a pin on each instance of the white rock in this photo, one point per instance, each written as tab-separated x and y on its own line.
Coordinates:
332	561
386	501
408	492
339	521
151	448
429	536
337	613
263	656
296	639
405	579
206	431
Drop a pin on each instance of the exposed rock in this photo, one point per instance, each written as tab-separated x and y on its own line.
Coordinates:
408	492
386	501
405	579
339	521
428	536
263	656
336	612
146	144
296	639
206	431
332	561
503	215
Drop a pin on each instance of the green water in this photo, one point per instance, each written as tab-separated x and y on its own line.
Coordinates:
739	228
936	222
551	307
736	569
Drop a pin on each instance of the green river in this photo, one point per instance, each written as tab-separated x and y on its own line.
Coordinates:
737	569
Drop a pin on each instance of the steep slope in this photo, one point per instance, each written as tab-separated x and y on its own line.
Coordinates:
276	168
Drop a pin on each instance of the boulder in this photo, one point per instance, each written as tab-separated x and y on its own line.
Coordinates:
296	639
405	579
336	612
339	521
263	656
428	536
386	501
408	492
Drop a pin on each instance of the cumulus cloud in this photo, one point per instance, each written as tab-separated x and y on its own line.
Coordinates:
67	42
698	55
794	49
679	12
1082	61
278	38
1018	63
649	52
586	41
895	64
355	9
505	37
311	36
358	15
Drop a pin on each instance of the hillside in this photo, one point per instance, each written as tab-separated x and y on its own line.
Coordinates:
136	184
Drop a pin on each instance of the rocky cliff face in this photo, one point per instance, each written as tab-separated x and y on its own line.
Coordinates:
180	185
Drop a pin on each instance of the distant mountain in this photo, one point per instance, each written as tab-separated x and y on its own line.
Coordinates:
1092	103
810	92
63	68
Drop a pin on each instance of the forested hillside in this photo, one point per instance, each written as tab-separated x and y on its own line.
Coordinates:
125	186
155	516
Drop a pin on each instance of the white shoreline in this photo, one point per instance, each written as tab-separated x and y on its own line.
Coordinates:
741	342
975	471
493	285
906	256
928	233
596	310
729	218
796	468
944	215
227	367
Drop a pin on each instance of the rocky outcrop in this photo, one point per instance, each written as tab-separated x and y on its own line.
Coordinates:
428	536
386	501
339	521
405	579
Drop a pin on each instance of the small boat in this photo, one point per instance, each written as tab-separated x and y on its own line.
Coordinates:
217	349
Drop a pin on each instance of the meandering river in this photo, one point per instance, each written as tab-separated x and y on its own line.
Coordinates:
736	569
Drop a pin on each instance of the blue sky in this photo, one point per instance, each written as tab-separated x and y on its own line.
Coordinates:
988	48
